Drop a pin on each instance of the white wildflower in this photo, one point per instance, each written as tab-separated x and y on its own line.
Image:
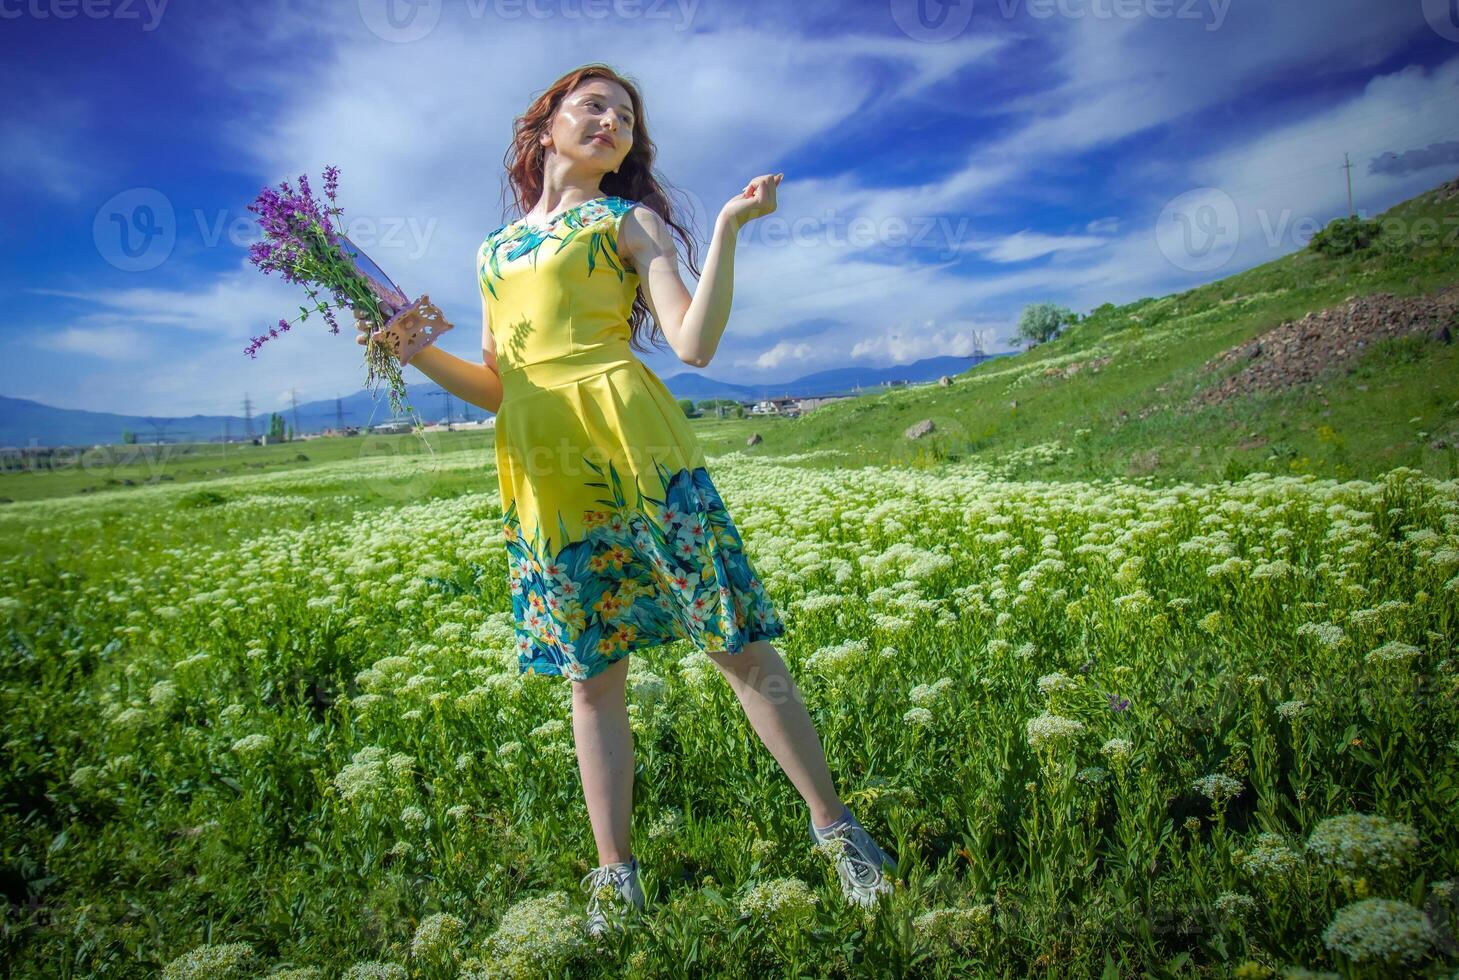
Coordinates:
1381	930
1049	731
1218	787
1362	842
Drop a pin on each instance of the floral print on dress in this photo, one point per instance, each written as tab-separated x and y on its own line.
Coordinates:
526	239
644	574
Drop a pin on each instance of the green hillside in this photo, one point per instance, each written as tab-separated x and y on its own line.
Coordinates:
1046	414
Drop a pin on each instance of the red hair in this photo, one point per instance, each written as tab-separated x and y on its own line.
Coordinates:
634	178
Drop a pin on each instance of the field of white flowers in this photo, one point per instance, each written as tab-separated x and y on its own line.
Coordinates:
274	726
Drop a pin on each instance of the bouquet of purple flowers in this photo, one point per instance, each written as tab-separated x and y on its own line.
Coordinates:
302	243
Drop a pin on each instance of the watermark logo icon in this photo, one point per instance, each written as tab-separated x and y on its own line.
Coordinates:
1443	18
1198	231
932	20
400	21
406	469
135	230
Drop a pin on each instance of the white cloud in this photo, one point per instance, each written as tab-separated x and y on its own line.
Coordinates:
181	351
784	354
42	152
1293	173
901	346
109	343
1121	76
235	305
1024	245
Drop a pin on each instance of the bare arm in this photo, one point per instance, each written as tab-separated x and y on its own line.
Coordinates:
478	384
692	325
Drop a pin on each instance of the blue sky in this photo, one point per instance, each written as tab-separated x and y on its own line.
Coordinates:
940	172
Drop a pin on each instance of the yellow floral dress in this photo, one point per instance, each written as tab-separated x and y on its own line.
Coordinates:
616	537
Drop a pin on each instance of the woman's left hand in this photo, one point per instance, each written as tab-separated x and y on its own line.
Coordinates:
756	200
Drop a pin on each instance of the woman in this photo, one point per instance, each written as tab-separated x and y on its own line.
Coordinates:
616	537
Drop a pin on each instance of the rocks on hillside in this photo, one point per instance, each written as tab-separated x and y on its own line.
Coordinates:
919	429
754	439
1299	351
1069	370
944	381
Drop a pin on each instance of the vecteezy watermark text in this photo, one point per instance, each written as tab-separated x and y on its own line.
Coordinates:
91	9
938	231
403	21
942	20
1211	12
137	229
1199	230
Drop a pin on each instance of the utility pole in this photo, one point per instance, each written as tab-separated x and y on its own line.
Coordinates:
1346	165
294	400
248	417
339	415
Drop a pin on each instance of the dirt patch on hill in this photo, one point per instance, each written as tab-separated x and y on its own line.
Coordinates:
1299	351
1445	191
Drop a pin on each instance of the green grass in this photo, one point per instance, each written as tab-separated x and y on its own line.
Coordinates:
202	685
107	469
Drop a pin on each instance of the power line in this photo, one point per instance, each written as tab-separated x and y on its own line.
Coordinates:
1348	166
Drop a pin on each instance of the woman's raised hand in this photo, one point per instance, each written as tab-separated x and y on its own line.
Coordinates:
415	328
756	200
366	326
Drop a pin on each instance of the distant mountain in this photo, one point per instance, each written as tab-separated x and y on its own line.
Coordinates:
688	384
26	423
30	423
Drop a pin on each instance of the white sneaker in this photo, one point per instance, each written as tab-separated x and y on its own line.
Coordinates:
611	882
861	863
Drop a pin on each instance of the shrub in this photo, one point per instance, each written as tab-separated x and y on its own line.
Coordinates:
1343	236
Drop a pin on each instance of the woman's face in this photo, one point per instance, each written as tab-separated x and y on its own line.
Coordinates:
594	126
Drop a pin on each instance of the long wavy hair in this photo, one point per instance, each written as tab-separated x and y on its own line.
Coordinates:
634	179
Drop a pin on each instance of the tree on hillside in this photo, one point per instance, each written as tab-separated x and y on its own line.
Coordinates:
275	427
687	405
1041	322
1343	236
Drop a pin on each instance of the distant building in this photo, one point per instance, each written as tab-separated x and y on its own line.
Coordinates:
776	406
474	424
806	404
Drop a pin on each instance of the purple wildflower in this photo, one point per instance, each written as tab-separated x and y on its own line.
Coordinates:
302	244
1117	703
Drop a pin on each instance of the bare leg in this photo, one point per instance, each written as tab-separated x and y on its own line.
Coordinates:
776	711
605	758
